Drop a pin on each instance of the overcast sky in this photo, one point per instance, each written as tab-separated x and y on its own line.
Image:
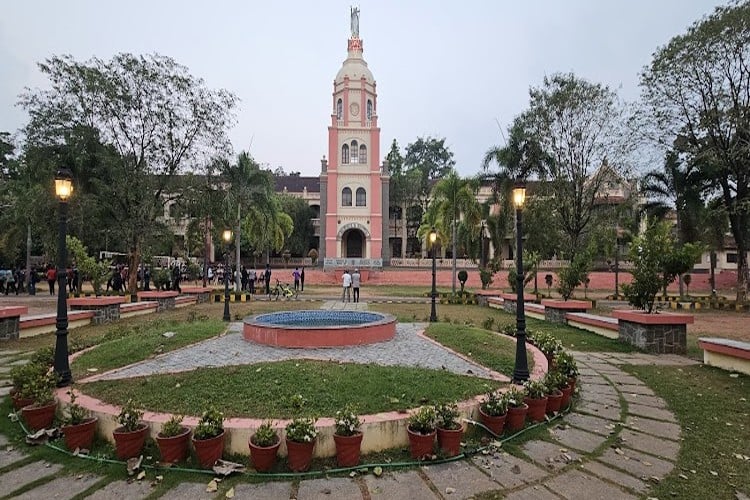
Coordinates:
443	69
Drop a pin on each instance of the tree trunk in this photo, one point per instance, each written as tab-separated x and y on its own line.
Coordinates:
742	274
681	286
206	237
453	265
133	261
712	259
237	283
28	256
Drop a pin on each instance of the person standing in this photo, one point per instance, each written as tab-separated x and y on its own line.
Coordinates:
51	278
267	275
356	278
176	276
146	279
302	279
296	276
244	278
346	280
33	280
251	277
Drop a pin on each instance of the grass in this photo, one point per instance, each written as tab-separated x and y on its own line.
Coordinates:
492	350
268	390
124	344
713	410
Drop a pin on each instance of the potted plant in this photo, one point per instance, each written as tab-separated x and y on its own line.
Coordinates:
264	445
348	437
300	442
131	435
449	428
549	345
493	410
536	398
517	409
21	378
421	431
566	364
78	427
173	439
208	437
553	381
41	413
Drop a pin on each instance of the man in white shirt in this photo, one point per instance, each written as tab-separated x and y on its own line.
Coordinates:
347	282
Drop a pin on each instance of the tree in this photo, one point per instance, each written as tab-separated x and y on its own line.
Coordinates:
249	186
696	91
301	214
155	115
576	125
97	272
453	202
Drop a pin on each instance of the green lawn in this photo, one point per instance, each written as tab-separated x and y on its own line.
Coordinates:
269	390
713	410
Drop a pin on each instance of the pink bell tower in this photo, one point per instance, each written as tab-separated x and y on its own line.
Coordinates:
353	185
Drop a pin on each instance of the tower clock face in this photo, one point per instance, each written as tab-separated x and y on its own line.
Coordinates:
354	108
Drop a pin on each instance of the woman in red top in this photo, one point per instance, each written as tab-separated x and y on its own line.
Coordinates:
51	278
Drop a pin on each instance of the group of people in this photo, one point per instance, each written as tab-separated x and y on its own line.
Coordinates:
351	283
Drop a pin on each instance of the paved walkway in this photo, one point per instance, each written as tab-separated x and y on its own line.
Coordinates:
618	442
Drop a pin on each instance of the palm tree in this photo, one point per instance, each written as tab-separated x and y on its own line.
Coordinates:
453	201
250	188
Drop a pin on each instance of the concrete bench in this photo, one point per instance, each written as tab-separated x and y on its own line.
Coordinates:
137	308
106	309
202	294
10	317
601	325
47	323
495	302
555	310
165	300
534	310
185	300
732	355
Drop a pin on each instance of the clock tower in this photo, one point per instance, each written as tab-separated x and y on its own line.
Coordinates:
353	185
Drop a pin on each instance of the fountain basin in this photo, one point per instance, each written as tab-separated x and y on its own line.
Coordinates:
317	328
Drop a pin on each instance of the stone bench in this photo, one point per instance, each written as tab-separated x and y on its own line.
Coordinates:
185	300
483	296
601	325
495	302
106	309
732	355
47	323
202	294
10	317
555	310
137	308
534	310
510	299
165	300
662	333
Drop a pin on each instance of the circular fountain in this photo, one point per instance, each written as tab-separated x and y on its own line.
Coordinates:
318	328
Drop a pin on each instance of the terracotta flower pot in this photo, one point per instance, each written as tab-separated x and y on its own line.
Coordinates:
173	449
449	441
554	399
537	408
347	449
209	450
420	444
299	455
263	457
496	424
39	417
516	417
128	444
572	383
18	401
567	392
80	436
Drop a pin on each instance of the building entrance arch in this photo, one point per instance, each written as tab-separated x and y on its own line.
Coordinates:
353	244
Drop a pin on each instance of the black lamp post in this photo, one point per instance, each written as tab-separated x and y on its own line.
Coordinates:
63	190
521	368
227	236
433	239
481	244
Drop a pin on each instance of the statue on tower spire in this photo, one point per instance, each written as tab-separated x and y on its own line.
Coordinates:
355	22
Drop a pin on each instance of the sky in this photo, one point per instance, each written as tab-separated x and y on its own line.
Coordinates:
454	70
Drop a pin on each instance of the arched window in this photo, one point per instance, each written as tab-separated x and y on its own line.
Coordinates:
361	197
344	154
363	154
339	109
346	197
369	109
355	152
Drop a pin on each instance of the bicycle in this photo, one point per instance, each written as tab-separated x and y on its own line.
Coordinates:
283	290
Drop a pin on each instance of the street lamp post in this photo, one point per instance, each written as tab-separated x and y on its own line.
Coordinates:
521	368
481	244
227	236
63	190
433	239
